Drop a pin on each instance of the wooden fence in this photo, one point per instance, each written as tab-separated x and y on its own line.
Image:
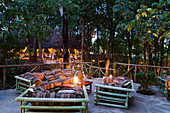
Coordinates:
89	69
94	69
141	68
73	64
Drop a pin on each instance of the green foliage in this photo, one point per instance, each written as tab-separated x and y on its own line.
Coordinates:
146	80
137	60
16	60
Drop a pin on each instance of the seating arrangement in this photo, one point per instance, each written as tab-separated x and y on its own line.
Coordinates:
48	78
114	92
36	99
45	92
164	85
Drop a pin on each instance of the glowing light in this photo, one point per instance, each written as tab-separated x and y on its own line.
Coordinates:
75	80
93	60
110	76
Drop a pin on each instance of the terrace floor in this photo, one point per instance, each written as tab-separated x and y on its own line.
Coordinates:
137	104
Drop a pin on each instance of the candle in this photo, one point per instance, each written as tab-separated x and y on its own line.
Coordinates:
104	80
75	80
110	78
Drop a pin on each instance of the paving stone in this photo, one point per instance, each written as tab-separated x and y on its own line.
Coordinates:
155	110
137	104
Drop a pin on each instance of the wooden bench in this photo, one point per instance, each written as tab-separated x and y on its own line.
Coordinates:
164	86
22	84
27	107
115	98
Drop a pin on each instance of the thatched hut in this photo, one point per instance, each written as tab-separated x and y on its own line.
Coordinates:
52	46
55	41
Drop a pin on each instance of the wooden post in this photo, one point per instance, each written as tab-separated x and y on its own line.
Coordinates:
90	68
99	73
114	69
135	74
161	70
4	78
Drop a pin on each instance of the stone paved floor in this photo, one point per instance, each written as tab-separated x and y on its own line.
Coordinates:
138	104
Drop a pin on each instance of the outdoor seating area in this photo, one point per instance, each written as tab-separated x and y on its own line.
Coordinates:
46	91
137	104
84	56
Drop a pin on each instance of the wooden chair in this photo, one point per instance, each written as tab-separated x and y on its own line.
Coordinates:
168	90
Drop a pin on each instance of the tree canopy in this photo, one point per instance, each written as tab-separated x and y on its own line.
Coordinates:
125	30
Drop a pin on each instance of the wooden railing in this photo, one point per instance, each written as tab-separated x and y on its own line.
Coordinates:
88	68
94	69
74	64
141	68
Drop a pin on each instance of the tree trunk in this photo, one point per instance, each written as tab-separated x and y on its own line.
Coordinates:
155	50
89	47
35	49
166	62
97	44
162	51
29	53
130	48
82	40
65	35
144	62
148	50
40	50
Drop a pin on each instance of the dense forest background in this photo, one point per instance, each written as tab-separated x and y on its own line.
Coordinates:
129	31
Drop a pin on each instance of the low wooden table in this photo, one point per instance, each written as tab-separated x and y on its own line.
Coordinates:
86	83
80	84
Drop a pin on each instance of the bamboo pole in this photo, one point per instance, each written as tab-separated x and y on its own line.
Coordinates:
33	69
140	69
99	73
94	72
128	71
27	65
161	70
135	74
86	68
90	68
143	65
103	73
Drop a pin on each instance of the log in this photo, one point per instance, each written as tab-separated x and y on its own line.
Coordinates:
39	75
55	71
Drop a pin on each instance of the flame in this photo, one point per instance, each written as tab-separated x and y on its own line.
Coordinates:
75	79
110	76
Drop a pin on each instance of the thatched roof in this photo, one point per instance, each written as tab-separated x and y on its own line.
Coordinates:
56	41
